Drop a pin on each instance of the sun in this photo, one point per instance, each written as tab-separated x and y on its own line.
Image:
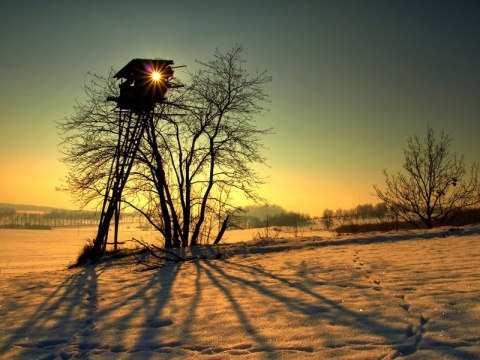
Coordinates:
156	76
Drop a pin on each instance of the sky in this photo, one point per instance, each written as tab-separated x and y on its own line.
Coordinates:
352	81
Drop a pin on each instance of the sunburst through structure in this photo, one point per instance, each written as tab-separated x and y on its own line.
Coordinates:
145	83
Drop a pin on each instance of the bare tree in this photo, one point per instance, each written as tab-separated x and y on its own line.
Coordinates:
195	158
435	185
328	218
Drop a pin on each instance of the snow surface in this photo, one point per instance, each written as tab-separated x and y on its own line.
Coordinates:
401	295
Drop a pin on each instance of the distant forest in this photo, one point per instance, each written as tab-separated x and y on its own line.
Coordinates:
14	216
363	218
269	215
368	217
42	217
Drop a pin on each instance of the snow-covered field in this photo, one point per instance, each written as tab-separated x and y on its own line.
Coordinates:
40	250
411	294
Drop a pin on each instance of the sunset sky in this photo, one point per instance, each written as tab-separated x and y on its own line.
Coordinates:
352	81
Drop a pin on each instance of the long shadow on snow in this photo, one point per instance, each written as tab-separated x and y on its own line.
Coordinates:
79	294
327	308
66	322
209	269
57	315
320	305
150	307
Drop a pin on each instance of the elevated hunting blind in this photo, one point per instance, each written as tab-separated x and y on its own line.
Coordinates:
145	83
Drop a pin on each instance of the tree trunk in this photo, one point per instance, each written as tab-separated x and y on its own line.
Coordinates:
222	230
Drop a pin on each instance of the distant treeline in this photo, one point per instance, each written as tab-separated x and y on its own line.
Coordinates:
368	217
46	218
273	215
364	211
15	219
26	226
26	208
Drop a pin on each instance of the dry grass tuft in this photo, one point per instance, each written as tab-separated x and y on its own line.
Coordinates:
87	254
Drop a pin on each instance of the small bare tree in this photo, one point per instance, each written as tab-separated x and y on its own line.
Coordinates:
328	218
435	185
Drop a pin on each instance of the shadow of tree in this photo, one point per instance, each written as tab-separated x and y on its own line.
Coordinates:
301	298
57	313
71	319
236	306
